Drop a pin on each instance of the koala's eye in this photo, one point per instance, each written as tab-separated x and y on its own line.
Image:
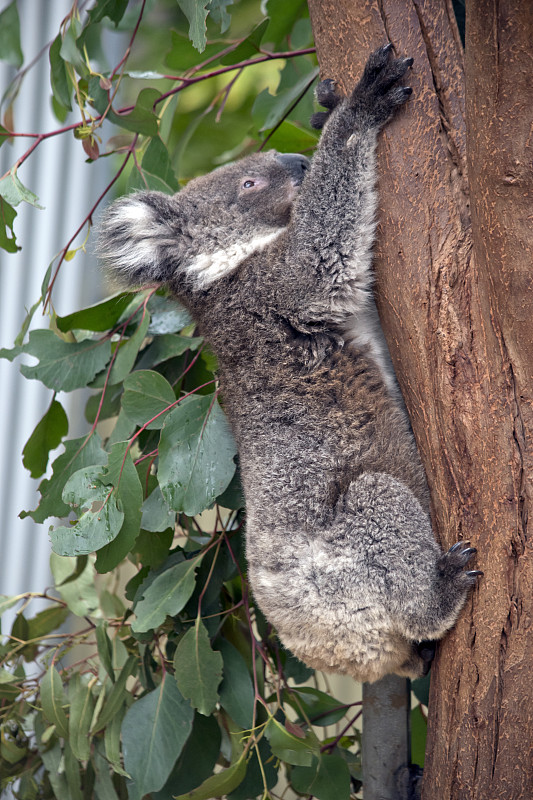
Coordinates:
248	184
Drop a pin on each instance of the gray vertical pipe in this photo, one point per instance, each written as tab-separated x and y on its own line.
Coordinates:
386	740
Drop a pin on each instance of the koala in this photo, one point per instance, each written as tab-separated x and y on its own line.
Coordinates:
272	256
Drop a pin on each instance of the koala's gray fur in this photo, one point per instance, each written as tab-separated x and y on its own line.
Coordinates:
272	255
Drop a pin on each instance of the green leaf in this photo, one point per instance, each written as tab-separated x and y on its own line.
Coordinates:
47	621
166	595
79	453
51	757
103	643
282	15
64	366
154	732
122	474
327	779
167	315
53	701
167	346
70	51
116	697
289	138
290	748
104	788
125	358
220	784
217	10
184	55
98	317
198	669
156	170
262	770
236	691
8	240
112	741
142	119
197	759
249	47
156	515
81	713
268	110
420	689
79	592
61	86
196	12
320	708
46	436
418	736
100	519
114	9
10	49
8	602
147	394
152	546
72	773
196	454
14	192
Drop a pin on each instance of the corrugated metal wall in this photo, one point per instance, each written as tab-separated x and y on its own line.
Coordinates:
67	188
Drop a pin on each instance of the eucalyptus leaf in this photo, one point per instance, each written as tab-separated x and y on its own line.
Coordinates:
79	453
327	779
196	454
197	759
54	701
166	595
154	732
198	669
121	472
147	395
100	519
10	49
81	712
236	691
290	748
196	12
220	784
64	366
47	436
8	241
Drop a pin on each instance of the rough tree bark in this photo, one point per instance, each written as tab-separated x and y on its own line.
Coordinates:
455	292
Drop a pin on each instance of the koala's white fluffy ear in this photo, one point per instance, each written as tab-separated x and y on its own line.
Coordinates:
138	236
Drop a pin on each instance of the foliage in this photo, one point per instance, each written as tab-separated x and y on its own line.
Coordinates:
174	685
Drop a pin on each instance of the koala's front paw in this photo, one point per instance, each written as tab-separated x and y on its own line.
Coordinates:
377	93
451	564
326	95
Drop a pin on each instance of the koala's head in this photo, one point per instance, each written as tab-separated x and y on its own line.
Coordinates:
204	232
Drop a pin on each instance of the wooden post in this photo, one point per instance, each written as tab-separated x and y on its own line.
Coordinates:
386	743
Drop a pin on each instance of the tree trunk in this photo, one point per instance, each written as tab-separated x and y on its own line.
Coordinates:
456	302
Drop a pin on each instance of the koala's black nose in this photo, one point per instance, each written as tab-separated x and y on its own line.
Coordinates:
295	164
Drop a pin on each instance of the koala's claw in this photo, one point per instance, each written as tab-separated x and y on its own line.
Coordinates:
451	564
376	92
326	95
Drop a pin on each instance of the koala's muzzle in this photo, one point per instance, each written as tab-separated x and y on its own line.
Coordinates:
295	164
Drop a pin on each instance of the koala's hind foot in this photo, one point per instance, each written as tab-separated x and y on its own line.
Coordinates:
452	563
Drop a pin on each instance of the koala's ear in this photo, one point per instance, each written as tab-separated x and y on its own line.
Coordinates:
139	238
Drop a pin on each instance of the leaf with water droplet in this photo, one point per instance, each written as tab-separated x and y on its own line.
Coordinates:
196	455
100	519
